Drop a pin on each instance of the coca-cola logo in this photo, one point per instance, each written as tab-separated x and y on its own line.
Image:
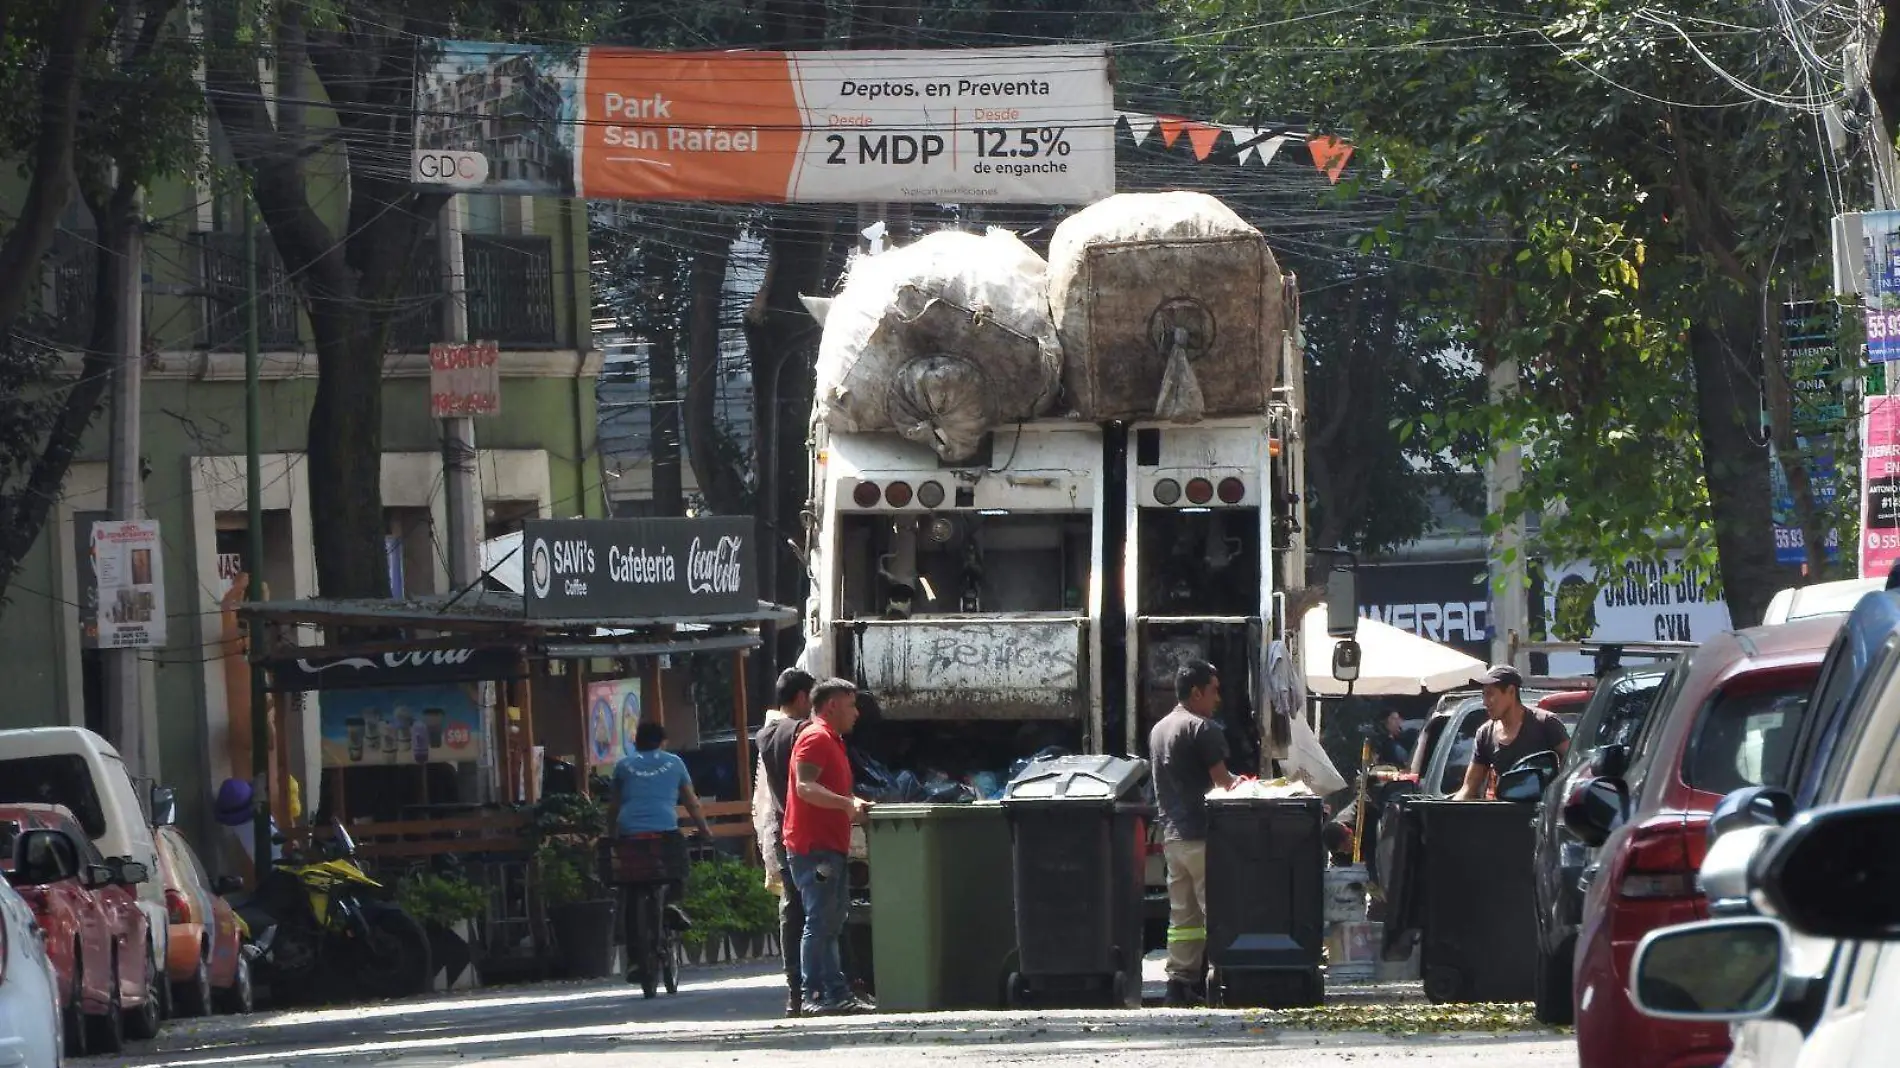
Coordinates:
422	658
715	569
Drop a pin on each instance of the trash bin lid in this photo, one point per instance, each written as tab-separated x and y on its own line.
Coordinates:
1079	778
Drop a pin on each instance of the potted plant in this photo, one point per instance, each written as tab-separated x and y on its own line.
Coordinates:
581	909
729	906
446	905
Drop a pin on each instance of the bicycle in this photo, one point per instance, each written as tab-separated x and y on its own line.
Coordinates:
647	867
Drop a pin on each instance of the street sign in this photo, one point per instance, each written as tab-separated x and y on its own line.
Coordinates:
625	569
464	379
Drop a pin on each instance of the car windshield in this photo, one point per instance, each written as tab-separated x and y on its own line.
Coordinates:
63	779
1625	707
1745	738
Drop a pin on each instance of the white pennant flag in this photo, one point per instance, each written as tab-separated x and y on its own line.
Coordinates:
1243	135
1269	149
1140	126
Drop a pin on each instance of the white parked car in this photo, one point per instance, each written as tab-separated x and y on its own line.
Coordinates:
30	1035
1820	599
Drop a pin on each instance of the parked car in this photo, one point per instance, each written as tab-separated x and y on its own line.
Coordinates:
95	930
1819	599
1830	875
207	967
1729	721
30	1034
75	767
1616	712
1853	718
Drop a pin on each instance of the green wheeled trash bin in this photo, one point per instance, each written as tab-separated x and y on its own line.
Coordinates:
943	922
1266	875
1079	833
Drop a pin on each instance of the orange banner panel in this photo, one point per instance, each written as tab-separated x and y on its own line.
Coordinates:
689	126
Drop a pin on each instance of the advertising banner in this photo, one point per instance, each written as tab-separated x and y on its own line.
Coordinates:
1448	603
627	569
1867	262
1644	603
127	572
464	379
385	670
613	717
410	725
1880	487
1002	125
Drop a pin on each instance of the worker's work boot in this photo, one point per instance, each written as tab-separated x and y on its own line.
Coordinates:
1180	995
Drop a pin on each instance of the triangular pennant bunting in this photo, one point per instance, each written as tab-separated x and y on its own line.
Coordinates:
1202	137
1171	127
1270	148
1140	126
1329	155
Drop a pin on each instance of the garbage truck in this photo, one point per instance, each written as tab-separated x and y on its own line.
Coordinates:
1038	486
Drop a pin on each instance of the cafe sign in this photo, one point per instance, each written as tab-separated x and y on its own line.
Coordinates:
607	569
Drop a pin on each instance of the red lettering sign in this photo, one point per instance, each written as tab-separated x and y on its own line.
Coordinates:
464	379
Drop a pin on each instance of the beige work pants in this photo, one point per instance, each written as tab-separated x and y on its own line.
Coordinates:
1187	910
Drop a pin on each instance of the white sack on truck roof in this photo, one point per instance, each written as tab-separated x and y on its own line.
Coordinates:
1168	306
940	341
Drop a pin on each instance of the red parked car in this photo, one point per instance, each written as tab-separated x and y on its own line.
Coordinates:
1726	719
95	932
207	968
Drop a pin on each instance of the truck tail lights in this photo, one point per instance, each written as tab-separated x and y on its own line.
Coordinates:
866	495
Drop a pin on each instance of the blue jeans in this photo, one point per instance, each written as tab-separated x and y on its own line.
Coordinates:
820	878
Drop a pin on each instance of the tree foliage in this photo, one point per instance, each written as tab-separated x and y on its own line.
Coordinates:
1614	193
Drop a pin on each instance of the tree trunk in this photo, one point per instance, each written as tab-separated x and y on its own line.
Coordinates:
720	480
51	187
1884	69
663	433
1727	367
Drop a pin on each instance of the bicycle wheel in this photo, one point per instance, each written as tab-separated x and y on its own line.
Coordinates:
671	968
652	901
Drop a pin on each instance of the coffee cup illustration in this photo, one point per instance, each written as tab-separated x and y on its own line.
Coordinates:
373	729
393	740
419	743
354	725
437	721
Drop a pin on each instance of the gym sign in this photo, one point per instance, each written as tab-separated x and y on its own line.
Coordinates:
459	170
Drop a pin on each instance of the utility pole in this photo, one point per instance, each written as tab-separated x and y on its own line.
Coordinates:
460	475
254	549
1510	585
124	694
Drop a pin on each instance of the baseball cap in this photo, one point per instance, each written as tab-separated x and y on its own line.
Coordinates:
1501	675
233	807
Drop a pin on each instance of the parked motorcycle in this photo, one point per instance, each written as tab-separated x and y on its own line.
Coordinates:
319	925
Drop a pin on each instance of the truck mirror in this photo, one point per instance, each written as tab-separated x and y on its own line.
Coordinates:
1342	603
1346	654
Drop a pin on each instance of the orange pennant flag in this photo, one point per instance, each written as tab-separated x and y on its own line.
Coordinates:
1329	155
1171	127
1202	137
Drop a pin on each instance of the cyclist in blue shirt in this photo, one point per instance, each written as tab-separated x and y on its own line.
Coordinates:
650	785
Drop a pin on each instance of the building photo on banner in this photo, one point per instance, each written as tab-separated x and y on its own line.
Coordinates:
613	718
1642	603
1003	125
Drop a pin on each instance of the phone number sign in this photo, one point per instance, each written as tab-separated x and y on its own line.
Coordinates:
464	379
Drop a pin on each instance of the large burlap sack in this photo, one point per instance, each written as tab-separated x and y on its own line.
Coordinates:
1168	306
940	341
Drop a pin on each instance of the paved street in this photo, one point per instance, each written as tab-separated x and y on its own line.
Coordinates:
731	1015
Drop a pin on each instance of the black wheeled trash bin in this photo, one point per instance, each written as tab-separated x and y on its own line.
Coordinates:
1468	891
1078	828
1266	865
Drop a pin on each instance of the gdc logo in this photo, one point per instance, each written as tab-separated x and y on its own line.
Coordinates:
442	167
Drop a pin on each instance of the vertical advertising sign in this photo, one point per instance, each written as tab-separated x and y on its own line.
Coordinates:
1880	487
1820	414
128	573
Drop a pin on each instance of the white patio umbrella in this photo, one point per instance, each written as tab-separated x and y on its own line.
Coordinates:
1392	663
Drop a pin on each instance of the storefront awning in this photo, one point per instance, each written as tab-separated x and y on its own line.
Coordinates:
1393	662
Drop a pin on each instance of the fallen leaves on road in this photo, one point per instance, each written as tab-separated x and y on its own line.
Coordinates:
1403	1019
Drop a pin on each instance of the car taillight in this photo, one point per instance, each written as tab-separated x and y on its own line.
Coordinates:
1663	860
866	495
176	908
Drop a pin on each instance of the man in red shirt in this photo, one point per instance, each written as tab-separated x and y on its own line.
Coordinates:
819	812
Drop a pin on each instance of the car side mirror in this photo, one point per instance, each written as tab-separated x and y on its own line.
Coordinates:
1342	603
1521	784
1346	657
40	858
1751	806
164	807
1609	761
226	884
1711	971
97	875
1546	764
1831	874
1595	807
130	872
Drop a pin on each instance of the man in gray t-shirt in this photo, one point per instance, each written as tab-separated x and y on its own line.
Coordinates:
1189	755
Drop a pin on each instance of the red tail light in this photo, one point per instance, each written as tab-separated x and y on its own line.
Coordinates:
1663	859
866	495
897	494
177	909
1232	491
1199	491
